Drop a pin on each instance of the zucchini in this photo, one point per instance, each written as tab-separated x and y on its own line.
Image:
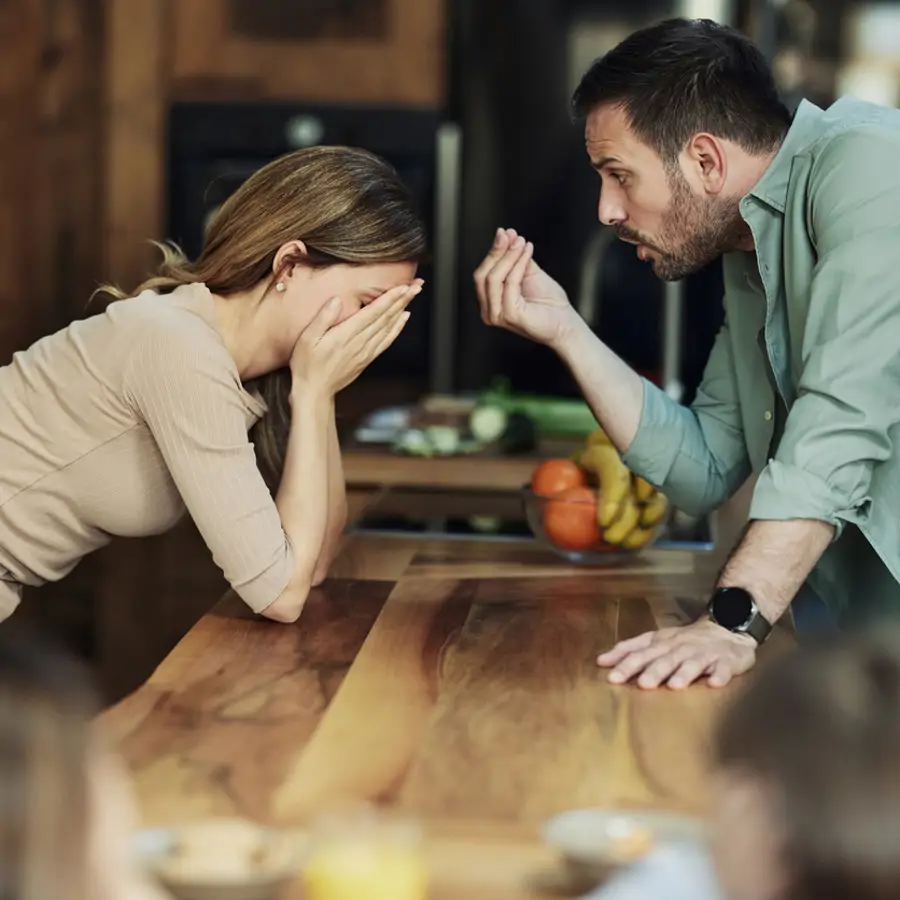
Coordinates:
550	415
520	435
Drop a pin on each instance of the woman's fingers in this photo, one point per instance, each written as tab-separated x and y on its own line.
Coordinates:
389	336
368	319
323	321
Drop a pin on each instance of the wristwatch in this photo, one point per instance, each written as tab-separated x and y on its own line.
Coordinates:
735	609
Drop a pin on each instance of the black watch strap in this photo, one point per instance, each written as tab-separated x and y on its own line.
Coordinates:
734	608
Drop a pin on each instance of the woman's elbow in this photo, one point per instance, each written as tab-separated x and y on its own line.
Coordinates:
287	608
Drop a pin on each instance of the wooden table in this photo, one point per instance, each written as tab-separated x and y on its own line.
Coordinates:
453	680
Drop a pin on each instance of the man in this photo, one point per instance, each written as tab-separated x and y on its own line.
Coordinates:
697	159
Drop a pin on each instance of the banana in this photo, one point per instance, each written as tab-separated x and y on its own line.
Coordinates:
638	538
643	490
614	479
597	438
625	523
654	511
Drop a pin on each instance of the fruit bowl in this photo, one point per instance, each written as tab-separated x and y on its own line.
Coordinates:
566	524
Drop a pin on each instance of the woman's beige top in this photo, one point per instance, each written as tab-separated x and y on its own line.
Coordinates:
112	426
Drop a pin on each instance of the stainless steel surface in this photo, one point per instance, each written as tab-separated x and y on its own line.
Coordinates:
673	303
589	299
722	11
446	229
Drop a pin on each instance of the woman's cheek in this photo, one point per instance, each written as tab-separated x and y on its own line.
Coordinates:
349	308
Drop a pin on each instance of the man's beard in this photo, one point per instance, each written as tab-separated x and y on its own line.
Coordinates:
693	232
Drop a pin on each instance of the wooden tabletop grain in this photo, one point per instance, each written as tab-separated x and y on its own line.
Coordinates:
452	680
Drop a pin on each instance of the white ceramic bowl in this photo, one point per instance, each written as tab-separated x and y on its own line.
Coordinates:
221	859
595	841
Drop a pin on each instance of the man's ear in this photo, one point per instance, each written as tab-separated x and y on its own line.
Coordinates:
706	160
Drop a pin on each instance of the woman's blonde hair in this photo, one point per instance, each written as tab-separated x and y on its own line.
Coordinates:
46	704
347	205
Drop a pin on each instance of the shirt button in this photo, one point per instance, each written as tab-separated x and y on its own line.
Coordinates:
767	415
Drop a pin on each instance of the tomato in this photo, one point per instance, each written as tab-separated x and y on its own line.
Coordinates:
570	519
557	475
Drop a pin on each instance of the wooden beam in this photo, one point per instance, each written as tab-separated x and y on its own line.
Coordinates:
21	38
137	94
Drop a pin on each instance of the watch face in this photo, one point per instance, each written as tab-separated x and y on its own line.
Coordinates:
732	608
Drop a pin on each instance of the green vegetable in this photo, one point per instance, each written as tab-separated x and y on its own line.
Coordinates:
414	442
488	423
444	439
550	415
520	435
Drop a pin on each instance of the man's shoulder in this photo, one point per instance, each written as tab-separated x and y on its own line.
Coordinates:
850	124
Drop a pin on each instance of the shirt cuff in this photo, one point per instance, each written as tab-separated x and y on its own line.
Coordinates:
785	492
653	451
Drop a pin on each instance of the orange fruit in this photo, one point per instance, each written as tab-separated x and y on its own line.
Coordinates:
557	475
570	519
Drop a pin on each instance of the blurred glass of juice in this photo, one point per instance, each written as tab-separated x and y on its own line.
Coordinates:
361	854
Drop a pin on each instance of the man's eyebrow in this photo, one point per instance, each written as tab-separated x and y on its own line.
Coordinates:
604	161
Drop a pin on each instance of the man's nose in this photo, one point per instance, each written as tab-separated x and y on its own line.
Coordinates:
609	210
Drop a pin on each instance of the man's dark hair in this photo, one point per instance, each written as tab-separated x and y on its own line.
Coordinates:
683	76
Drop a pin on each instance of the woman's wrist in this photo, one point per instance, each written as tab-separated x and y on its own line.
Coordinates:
309	393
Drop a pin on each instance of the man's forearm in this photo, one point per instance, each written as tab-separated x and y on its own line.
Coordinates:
337	504
774	559
612	389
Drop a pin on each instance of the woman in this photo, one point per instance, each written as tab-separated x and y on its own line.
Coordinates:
807	786
117	423
68	812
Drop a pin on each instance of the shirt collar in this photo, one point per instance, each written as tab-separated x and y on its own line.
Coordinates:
806	126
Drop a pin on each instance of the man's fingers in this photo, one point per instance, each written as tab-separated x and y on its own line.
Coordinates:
623	648
720	674
496	280
689	671
498	248
512	287
665	666
636	662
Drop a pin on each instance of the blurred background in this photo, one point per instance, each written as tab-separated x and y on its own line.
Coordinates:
123	120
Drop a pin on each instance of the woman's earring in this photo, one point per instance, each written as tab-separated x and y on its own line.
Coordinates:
280	287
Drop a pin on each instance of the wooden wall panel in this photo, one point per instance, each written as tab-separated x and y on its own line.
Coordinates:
20	59
211	58
70	234
50	164
138	34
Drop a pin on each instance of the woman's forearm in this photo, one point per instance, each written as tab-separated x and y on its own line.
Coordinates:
337	504
302	498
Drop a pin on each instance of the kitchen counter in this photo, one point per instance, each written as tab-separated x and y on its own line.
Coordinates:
453	680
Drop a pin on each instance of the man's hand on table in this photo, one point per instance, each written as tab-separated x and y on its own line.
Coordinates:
677	657
771	562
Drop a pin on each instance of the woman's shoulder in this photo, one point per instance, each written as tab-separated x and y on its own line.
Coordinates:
173	340
188	310
175	326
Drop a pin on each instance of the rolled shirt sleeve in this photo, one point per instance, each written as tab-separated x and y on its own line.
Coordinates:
696	455
848	395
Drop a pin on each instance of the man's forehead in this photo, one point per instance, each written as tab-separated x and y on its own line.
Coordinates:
606	132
